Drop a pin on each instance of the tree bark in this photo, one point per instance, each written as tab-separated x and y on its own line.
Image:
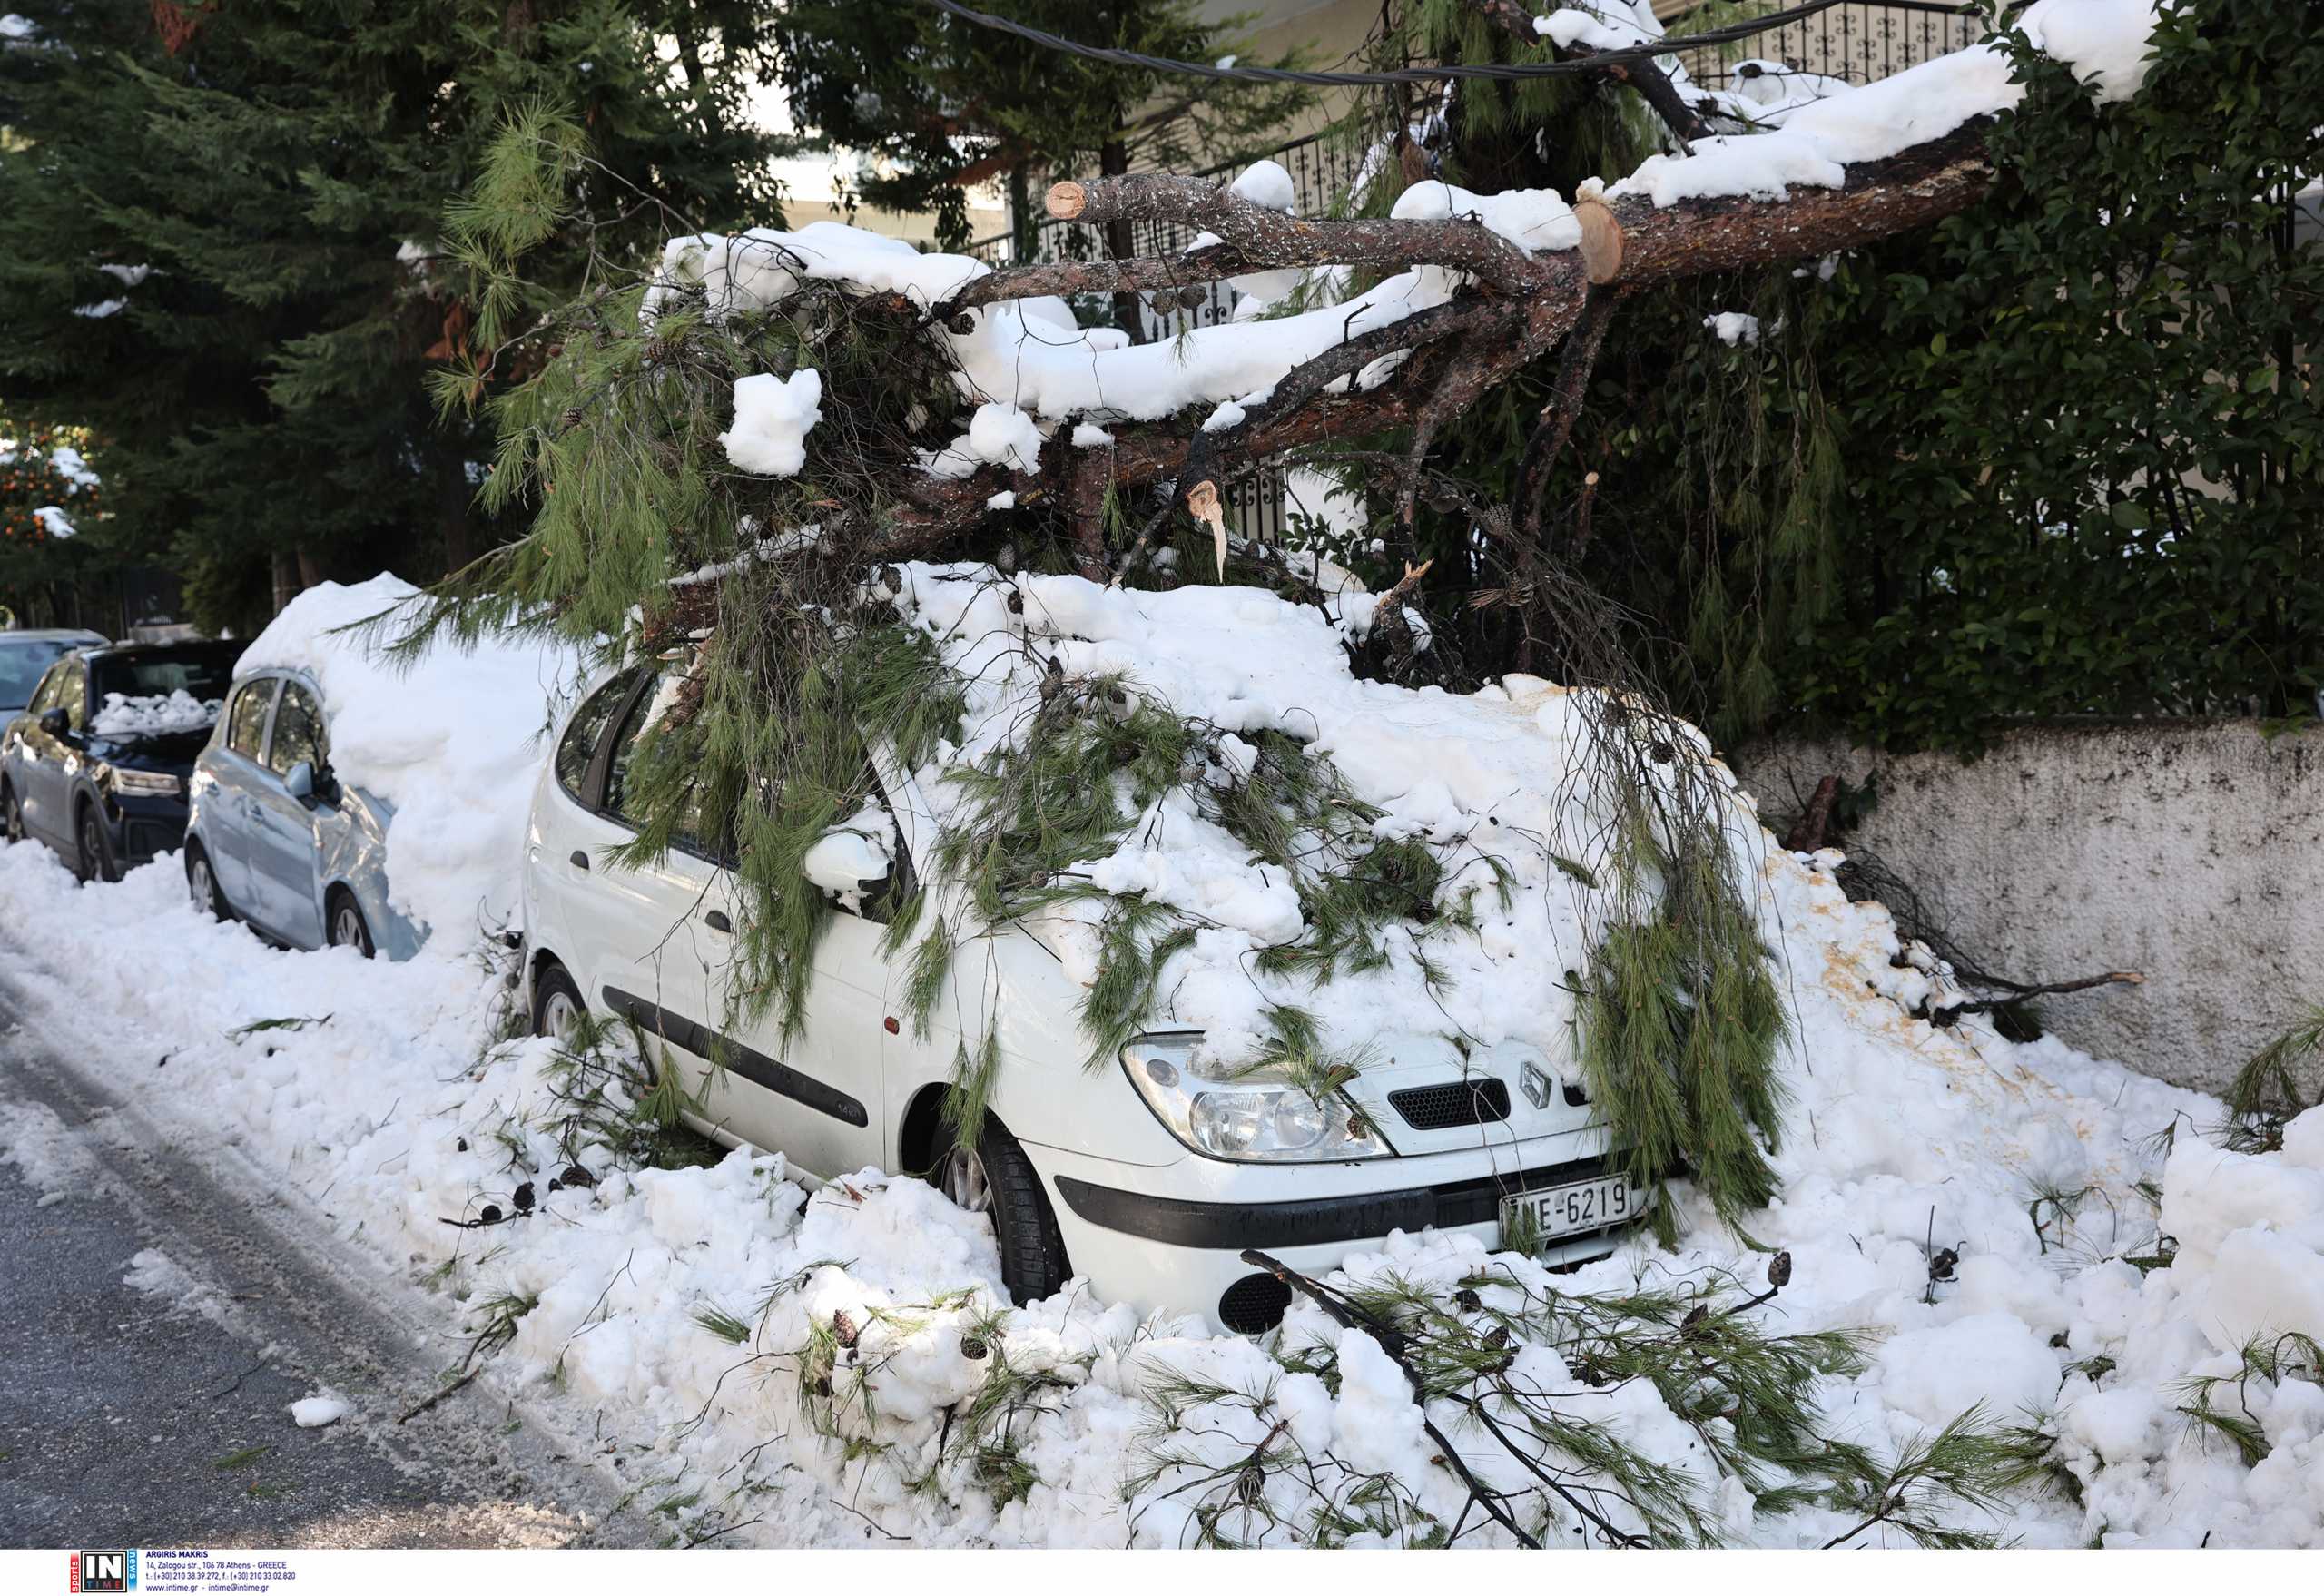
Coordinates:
1121	243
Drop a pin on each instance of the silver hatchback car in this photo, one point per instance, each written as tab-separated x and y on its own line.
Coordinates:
276	840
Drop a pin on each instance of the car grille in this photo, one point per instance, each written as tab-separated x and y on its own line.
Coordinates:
1455	1102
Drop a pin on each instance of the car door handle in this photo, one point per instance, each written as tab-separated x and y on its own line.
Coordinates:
717	920
580	859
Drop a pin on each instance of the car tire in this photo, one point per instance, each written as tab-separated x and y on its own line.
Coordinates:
12	813
994	1178
344	925
91	854
556	1001
202	883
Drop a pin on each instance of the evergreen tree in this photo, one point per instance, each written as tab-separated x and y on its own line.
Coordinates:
218	248
937	105
49	506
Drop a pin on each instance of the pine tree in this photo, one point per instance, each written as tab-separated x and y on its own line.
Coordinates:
218	248
49	505
936	105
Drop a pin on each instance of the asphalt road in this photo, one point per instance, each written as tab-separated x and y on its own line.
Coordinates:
132	1416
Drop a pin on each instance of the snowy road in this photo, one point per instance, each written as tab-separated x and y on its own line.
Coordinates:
161	1304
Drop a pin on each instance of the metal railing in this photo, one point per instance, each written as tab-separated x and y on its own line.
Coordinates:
1861	44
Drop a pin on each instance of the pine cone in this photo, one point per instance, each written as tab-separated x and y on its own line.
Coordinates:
1780	1270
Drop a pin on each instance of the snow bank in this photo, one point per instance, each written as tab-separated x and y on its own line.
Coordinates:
155	715
453	742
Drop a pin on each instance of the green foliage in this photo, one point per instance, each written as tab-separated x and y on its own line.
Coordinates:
2268	1093
2062	455
940	104
2289	1356
272	176
1748	1396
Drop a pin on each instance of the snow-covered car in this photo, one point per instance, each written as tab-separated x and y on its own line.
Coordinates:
1147	1179
97	765
25	659
276	839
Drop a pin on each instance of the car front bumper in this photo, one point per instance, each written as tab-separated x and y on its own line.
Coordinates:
1139	1237
143	828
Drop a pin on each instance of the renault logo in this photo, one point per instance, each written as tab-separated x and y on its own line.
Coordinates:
1536	1084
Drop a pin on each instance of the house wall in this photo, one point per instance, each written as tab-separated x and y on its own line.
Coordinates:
2192	852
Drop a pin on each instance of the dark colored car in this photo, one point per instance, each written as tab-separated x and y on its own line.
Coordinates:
25	659
97	765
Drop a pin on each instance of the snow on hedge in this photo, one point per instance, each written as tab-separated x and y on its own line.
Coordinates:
452	739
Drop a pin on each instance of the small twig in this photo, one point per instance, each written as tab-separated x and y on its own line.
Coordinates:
420	1407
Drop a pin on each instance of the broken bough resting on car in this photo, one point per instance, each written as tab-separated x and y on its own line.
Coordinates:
1135	910
1160	935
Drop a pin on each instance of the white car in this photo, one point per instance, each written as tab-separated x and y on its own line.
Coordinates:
1145	1178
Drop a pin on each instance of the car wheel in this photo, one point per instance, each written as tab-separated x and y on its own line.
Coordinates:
201	885
345	926
93	859
12	813
995	1178
558	1007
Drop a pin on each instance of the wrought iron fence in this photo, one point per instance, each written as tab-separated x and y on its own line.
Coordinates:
1859	43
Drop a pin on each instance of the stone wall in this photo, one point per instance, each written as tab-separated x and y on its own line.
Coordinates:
2192	852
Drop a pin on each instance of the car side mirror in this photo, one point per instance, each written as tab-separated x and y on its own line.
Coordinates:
299	781
57	722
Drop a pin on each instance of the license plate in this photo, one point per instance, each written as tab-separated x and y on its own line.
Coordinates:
1536	1216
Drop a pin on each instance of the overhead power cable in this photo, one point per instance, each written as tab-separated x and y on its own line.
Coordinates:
1594	65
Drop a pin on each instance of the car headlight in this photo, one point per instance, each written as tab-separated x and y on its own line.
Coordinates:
144	783
1259	1116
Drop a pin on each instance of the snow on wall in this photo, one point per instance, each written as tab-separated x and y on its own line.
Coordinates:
2192	851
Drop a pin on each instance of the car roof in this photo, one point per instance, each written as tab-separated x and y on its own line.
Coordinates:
55	635
158	650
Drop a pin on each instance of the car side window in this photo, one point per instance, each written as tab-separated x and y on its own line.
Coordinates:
45	696
73	692
297	731
620	802
246	730
581	735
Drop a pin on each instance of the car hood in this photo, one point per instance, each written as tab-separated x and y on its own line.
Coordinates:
1422	1089
170	751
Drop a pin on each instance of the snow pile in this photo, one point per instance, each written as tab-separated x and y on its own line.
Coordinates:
871	1318
452	740
2104	41
45	1152
155	715
324	1407
857	851
1489	780
772	416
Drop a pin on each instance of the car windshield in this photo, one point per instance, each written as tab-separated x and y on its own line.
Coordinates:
23	660
205	675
